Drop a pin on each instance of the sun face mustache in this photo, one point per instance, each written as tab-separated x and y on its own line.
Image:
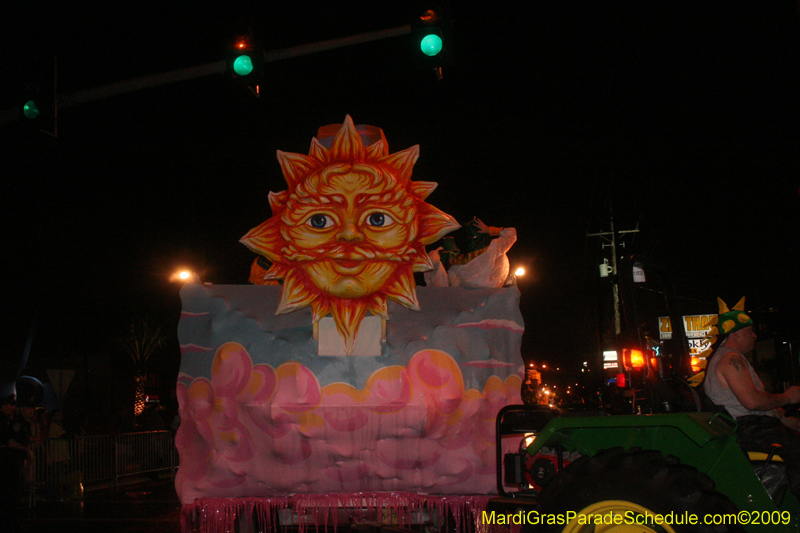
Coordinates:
350	252
359	253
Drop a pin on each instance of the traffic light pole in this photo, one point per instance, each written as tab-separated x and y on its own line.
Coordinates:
55	100
210	69
322	46
55	96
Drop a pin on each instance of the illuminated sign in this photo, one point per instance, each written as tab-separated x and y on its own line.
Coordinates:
695	326
698	346
638	275
664	328
610	359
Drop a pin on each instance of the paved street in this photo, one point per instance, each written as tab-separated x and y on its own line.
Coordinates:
147	507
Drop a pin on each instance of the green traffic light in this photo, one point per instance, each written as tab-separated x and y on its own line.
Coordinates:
243	65
431	45
30	110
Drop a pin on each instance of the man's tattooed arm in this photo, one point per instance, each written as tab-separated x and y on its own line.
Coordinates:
738	380
735	360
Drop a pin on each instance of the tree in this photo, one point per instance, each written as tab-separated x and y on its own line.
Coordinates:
140	342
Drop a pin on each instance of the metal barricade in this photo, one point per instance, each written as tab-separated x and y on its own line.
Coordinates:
140	453
59	468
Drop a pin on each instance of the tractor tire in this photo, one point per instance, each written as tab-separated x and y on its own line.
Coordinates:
632	484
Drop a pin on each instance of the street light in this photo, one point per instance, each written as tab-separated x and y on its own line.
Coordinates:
512	276
184	276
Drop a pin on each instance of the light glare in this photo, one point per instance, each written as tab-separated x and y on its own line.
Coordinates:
243	65
431	45
30	110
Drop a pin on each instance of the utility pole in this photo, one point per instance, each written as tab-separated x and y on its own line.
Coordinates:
610	239
55	96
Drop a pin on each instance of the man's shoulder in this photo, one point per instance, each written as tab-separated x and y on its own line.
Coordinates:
729	354
732	361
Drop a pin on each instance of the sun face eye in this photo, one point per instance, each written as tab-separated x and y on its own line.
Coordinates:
320	221
379	220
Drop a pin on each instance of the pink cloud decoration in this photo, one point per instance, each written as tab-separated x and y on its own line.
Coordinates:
254	430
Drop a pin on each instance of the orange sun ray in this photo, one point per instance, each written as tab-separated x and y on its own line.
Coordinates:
350	230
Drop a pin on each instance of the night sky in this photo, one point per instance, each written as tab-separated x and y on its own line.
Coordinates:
684	116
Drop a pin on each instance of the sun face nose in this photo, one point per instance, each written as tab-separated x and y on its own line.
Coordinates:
349	233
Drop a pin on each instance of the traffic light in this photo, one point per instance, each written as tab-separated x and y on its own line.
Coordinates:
29	102
30	110
431	36
36	109
245	60
430	42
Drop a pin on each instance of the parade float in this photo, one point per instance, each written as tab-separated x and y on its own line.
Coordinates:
333	383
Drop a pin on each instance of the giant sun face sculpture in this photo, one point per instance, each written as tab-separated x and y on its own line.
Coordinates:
351	229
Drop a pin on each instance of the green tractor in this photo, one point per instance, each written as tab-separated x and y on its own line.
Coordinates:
673	466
